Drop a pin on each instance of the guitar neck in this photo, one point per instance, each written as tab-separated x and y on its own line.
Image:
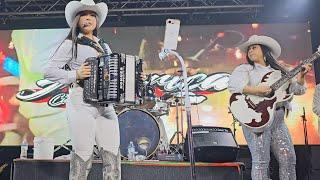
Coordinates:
285	78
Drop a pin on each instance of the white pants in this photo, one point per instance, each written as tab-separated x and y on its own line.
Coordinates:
91	124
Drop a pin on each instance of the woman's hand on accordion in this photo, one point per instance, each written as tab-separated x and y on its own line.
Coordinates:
143	76
84	71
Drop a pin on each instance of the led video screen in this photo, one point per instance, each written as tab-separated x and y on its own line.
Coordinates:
30	106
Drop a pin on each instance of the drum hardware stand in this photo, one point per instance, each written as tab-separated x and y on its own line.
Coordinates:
163	54
181	117
63	146
181	122
234	121
95	149
178	132
307	147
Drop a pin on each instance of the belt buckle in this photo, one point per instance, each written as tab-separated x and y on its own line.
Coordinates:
279	108
73	85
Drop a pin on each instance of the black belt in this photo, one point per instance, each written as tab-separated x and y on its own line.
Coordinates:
79	83
280	107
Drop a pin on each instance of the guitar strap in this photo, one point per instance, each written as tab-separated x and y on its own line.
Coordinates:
275	64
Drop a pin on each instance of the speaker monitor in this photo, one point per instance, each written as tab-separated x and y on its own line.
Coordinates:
212	144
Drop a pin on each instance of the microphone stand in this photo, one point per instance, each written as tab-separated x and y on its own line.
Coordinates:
234	120
163	54
307	150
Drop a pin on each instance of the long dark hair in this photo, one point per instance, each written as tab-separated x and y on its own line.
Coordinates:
269	59
73	36
74	32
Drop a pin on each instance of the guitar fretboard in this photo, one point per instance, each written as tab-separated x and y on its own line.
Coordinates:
275	86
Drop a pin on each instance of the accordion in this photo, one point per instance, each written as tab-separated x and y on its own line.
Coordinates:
115	78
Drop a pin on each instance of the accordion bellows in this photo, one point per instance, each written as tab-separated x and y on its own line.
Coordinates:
115	78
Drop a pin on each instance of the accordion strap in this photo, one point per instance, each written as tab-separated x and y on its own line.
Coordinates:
103	45
86	41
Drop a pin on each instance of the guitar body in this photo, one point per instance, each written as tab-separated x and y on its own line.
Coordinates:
256	112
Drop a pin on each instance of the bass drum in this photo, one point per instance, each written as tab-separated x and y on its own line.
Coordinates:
142	129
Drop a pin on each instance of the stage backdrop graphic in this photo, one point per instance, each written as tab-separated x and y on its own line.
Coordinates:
33	106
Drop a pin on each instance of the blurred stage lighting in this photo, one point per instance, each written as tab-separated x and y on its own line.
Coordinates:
255	25
12	66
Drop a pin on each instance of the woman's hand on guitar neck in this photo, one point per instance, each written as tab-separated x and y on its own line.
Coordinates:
301	76
259	90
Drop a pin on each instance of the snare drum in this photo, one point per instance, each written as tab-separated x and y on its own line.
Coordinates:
142	129
148	102
160	108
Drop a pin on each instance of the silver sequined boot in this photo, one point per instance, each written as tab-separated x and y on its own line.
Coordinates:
111	165
79	169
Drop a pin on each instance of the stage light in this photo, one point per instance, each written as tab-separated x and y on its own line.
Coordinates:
175	63
238	54
255	25
179	38
220	35
11	66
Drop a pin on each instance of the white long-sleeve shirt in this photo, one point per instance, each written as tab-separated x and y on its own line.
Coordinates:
247	74
316	101
54	72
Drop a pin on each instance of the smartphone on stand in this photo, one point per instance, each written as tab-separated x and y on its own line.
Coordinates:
171	34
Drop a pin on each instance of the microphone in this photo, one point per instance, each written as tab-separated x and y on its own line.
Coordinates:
86	24
304	114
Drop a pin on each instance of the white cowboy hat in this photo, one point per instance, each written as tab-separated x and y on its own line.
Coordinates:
74	7
274	46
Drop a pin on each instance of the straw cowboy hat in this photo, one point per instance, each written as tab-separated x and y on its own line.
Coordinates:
274	46
74	7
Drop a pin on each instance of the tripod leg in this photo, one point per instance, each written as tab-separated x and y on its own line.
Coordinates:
63	146
177	122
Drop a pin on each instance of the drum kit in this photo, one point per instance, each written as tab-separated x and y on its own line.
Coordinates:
143	126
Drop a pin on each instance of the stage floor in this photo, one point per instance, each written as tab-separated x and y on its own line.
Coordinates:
145	170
